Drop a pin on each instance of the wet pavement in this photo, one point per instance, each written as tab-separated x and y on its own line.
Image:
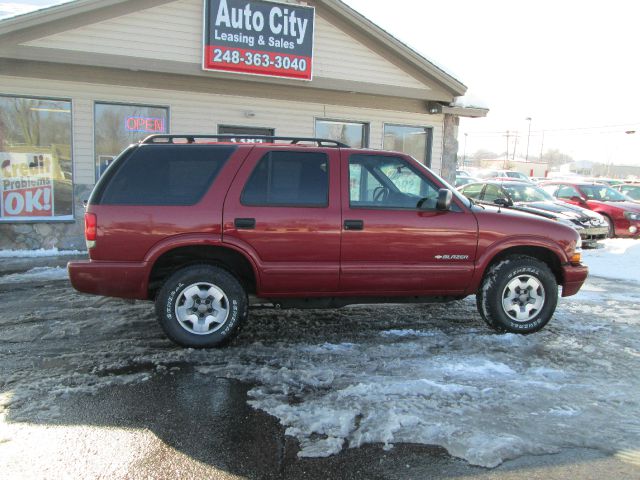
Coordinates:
90	390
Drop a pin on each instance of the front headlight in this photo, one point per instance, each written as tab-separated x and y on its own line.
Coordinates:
632	216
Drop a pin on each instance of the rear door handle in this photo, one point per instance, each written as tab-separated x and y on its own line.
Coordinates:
353	225
245	223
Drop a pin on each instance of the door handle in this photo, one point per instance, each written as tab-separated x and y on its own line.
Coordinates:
245	223
353	225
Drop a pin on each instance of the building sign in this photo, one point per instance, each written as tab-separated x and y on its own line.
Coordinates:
144	124
26	186
259	37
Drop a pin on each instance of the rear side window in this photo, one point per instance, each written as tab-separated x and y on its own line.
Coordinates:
165	175
289	179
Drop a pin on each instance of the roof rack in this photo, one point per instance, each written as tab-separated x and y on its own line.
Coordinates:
166	138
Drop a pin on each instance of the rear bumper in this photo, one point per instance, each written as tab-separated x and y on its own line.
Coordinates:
111	279
573	276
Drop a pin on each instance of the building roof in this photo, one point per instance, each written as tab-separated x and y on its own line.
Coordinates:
80	12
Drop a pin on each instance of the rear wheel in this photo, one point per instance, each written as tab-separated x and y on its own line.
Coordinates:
201	306
518	295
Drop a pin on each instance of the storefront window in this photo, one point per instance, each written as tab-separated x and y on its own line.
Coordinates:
117	126
35	159
353	134
414	141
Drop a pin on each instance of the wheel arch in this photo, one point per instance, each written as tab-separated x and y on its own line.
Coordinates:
552	256
228	258
541	253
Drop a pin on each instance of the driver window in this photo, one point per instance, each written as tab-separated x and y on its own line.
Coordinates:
378	181
362	184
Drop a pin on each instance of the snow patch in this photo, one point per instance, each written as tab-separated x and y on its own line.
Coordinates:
51	252
37	274
470	100
618	259
408	333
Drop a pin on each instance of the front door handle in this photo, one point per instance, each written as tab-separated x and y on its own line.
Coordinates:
353	225
245	223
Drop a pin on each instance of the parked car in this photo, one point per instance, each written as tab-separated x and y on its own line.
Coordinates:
532	199
460	181
631	190
606	181
621	214
504	174
200	227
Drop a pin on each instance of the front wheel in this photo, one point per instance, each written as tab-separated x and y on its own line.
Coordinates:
518	294
611	233
201	306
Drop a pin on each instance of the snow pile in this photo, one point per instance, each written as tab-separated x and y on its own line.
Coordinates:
470	100
618	259
51	252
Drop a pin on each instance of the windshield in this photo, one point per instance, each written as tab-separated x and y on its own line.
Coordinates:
527	193
602	193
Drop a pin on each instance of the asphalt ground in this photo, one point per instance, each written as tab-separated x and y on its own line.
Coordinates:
147	420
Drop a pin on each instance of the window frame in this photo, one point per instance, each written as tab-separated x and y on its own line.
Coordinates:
366	131
62	218
286	205
428	154
122	104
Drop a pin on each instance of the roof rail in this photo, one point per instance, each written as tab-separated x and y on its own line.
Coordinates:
169	138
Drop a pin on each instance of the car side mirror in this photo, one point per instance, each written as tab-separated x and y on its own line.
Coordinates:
578	199
444	199
503	202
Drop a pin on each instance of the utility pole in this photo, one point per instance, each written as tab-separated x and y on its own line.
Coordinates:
504	164
541	145
515	147
464	154
526	158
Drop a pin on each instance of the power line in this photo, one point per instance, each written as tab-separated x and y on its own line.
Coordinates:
549	130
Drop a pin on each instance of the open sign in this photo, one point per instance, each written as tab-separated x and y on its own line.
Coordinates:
144	124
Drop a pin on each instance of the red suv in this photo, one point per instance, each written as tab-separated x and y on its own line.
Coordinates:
203	227
622	214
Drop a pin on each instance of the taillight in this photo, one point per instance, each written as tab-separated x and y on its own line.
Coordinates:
90	229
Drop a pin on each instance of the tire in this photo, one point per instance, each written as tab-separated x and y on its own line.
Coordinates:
612	231
201	306
501	299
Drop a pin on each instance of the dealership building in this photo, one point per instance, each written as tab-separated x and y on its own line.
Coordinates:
82	80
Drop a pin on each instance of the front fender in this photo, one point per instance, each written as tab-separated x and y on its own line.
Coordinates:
520	242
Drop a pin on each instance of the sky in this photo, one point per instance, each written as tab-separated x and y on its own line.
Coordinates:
571	66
